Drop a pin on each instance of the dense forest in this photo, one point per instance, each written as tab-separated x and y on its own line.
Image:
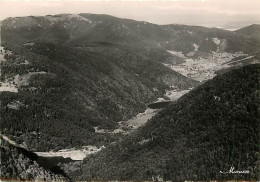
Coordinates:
76	76
64	92
19	164
211	129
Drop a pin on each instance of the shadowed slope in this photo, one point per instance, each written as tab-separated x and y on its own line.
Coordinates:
211	129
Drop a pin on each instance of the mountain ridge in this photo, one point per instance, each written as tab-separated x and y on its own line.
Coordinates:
79	29
252	31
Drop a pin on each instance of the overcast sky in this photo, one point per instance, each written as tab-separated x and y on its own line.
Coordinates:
228	14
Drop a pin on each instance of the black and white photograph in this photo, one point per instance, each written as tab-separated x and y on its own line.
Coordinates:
129	90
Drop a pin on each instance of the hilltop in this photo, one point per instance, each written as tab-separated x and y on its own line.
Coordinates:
252	31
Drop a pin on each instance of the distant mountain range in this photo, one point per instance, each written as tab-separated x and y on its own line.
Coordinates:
81	29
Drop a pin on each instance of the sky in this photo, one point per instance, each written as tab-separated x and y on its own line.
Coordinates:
227	14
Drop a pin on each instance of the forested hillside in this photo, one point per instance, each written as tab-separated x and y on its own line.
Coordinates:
81	29
64	92
18	164
73	81
211	129
252	31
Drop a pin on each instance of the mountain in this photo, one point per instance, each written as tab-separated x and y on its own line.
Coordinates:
66	77
200	137
61	93
81	29
19	164
173	45
252	31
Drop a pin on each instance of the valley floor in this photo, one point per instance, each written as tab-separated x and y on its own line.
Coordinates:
124	127
204	68
200	69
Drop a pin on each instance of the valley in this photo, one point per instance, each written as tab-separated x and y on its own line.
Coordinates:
89	96
182	136
124	127
205	68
